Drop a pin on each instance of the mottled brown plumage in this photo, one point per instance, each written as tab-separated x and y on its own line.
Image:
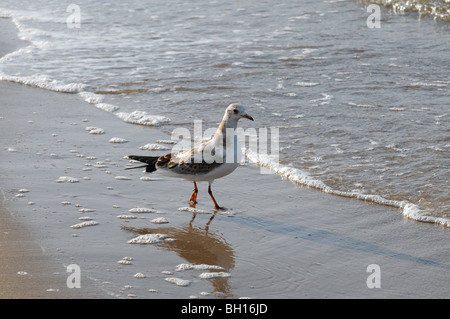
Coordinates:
206	162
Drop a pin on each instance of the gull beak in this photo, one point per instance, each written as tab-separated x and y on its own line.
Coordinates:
248	117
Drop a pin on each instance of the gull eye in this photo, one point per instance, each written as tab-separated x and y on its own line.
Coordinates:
235	111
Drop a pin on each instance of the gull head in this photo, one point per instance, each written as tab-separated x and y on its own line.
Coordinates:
236	111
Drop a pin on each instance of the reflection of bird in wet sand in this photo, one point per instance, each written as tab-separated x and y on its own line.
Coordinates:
213	159
197	246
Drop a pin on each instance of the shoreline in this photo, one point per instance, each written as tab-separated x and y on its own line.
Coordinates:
275	240
26	270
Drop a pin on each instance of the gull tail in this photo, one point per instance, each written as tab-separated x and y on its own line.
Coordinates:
150	162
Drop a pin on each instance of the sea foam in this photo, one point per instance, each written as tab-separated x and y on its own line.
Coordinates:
135	117
147	239
43	82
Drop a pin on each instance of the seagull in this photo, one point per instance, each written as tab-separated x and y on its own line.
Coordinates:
206	162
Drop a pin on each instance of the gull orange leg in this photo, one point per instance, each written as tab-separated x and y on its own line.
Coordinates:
193	198
216	206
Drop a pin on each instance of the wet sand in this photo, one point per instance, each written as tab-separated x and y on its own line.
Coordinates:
26	271
273	240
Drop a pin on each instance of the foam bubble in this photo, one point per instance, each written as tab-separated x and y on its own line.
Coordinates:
43	82
166	142
97	130
84	224
178	281
146	179
159	220
139	210
90	97
413	211
126	217
118	140
182	267
147	239
67	179
212	275
122	178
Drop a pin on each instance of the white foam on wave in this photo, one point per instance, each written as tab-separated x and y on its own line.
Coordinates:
212	275
40	39
43	82
302	178
10	56
414	212
139	210
135	117
110	108
33	36
142	118
37	39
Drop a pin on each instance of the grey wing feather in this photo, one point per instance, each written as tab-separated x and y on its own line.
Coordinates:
195	168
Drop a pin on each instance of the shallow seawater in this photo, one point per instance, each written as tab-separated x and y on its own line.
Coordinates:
363	111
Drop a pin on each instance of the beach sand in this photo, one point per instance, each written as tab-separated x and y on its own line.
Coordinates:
273	240
26	271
